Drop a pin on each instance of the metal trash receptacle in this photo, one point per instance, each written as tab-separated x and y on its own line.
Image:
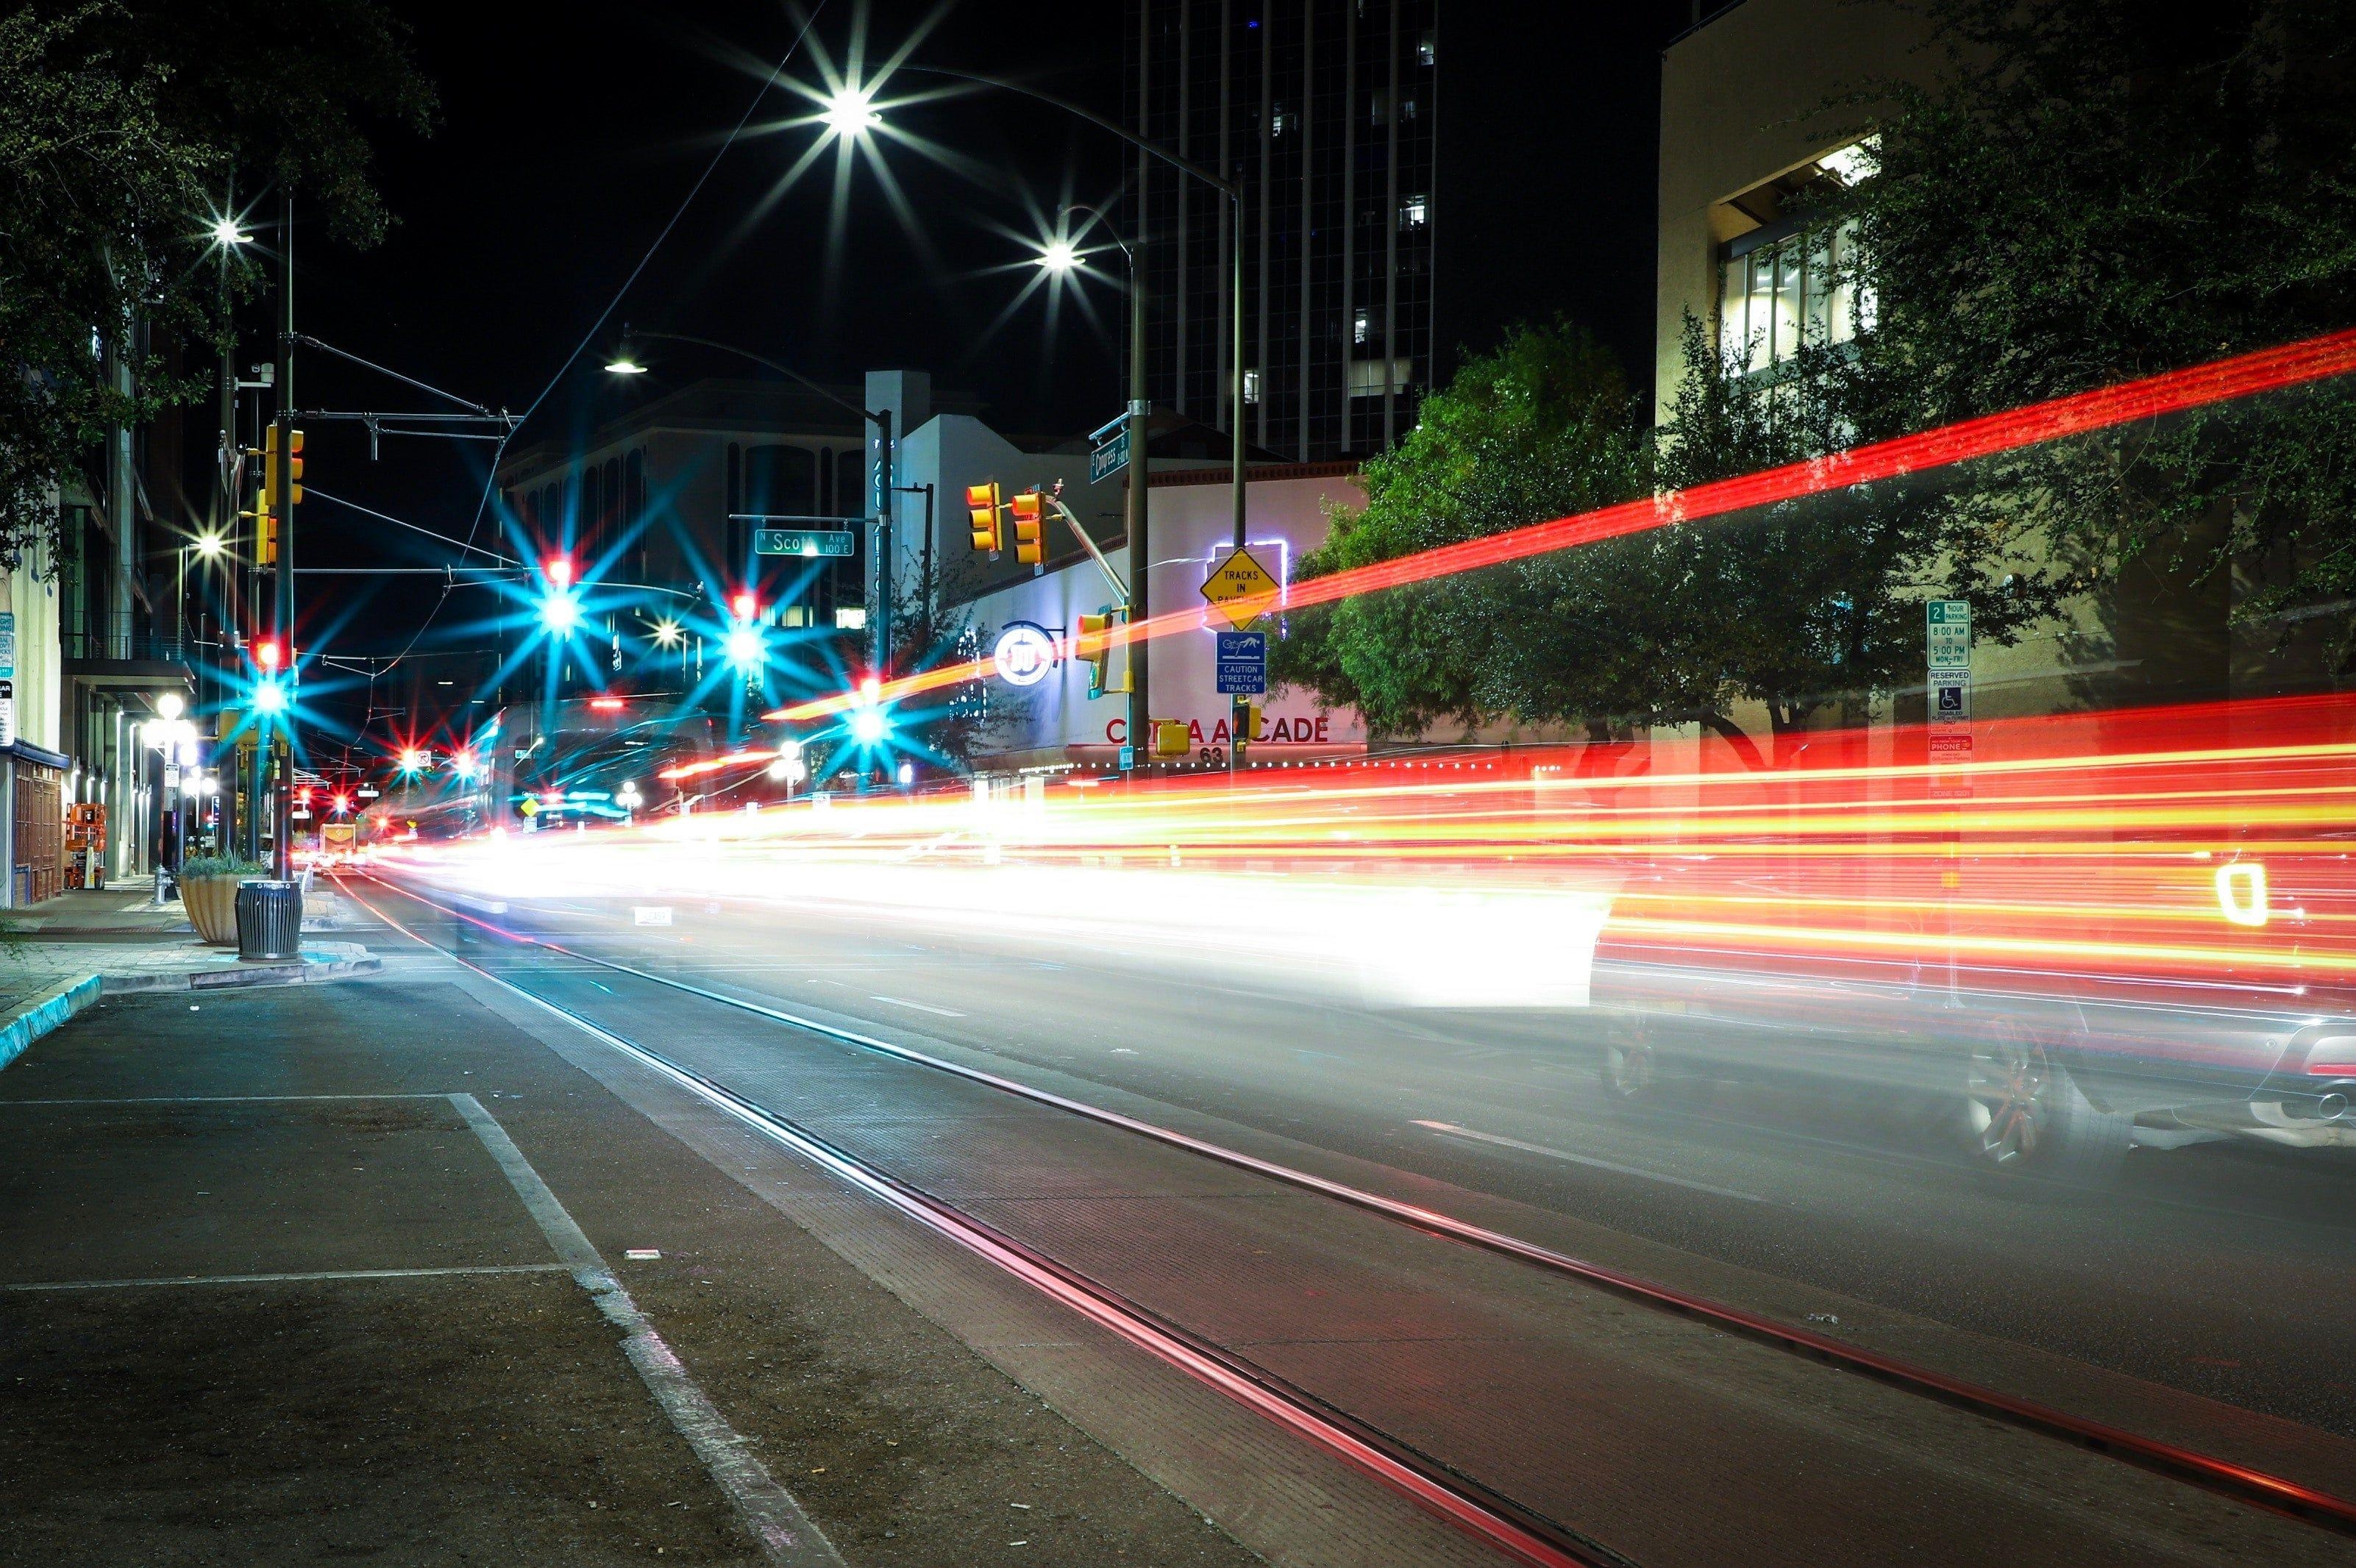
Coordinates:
269	920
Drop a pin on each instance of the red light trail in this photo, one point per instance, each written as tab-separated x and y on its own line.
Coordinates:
2081	413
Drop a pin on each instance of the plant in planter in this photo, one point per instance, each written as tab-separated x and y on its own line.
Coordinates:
209	889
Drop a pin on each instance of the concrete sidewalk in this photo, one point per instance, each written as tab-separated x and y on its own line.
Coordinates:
369	1273
55	959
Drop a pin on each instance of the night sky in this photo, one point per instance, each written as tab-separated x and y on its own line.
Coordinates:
570	131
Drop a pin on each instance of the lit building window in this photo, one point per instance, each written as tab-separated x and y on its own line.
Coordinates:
850	618
1407	108
1411	212
1282	122
1251	385
1426	47
1783	293
1362	328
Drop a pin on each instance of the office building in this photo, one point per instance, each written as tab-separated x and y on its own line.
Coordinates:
1325	113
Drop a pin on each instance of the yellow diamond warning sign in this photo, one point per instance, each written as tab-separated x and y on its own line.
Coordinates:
1241	588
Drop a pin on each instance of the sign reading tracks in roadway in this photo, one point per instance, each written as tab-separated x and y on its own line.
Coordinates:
1240	589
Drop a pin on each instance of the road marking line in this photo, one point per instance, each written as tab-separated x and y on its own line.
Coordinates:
223	1099
1452	1130
786	1534
920	1007
290	1278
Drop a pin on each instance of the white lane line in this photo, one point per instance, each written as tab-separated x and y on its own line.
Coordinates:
290	1278
786	1534
1452	1130
920	1007
221	1099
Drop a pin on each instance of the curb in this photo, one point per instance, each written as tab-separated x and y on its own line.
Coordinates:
44	1013
315	966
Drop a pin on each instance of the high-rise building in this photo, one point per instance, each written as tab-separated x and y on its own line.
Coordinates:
1325	113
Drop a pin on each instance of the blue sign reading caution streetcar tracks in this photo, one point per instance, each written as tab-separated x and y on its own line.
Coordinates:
1243	663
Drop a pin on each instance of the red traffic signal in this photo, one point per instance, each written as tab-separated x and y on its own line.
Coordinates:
266	652
982	505
1030	510
559	570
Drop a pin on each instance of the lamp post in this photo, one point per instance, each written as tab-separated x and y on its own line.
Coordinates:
879	628
1139	556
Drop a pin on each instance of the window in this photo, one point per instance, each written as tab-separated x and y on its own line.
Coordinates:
1362	328
1378	109
850	618
1411	212
1426	48
1282	122
1251	385
1797	289
1407	108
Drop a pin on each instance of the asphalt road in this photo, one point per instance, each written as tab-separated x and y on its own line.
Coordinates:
2200	1300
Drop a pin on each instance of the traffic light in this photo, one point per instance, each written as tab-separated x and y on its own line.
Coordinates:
293	467
1247	722
266	654
1093	647
1030	510
982	503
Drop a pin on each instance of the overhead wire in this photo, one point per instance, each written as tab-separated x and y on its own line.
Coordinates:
490	477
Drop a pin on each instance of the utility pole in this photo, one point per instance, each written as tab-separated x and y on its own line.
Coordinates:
879	631
281	851
225	530
1140	555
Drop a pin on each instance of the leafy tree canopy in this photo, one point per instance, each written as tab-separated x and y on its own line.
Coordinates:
122	125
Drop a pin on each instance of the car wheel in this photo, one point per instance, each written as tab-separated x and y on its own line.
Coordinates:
2026	1115
1631	1064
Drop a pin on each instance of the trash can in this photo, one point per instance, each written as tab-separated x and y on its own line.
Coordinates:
269	920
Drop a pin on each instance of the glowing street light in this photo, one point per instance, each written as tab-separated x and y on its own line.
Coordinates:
851	112
560	613
1060	256
209	546
463	764
413	760
668	633
170	705
622	365
226	232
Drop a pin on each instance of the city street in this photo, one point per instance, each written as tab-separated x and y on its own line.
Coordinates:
1759	1198
1338	785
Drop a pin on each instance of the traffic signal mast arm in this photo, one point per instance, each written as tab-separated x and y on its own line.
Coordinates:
1120	589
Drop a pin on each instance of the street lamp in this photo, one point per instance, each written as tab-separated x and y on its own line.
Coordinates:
1059	255
1139	554
851	112
622	365
226	232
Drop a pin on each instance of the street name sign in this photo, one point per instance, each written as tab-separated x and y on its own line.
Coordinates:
1108	459
809	542
1241	588
1243	663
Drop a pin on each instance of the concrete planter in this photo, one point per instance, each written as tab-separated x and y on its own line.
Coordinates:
211	903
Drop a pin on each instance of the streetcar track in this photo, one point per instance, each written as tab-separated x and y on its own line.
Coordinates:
1489	1517
2243	1484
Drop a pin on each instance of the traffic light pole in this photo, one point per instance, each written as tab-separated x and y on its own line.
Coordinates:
282	849
1141	554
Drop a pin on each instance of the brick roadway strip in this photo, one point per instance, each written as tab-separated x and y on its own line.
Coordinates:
786	1534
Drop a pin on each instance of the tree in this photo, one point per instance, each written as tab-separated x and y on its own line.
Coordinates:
120	121
1540	427
2093	190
